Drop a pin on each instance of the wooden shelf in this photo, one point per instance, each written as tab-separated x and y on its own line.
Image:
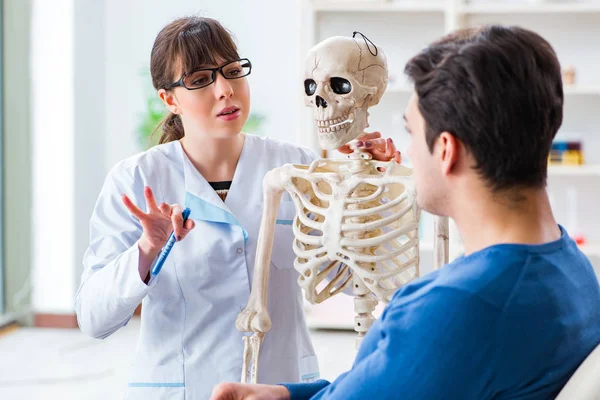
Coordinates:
499	8
378	6
574	170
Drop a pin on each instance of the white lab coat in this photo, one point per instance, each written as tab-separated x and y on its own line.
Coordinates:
188	341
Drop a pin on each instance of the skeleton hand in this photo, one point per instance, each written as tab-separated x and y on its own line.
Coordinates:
380	149
253	319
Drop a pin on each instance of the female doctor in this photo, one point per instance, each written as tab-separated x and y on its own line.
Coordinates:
188	342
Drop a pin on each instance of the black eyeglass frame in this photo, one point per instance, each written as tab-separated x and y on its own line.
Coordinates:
214	71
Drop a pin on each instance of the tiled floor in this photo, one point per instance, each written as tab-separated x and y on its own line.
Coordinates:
67	365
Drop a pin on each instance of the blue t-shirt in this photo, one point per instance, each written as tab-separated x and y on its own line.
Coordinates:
508	322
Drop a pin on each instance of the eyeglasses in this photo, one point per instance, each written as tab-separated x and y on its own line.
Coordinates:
204	77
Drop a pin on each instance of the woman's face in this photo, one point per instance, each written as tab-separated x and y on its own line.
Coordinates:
218	110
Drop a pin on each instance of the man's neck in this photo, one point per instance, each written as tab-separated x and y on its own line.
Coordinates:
520	216
215	159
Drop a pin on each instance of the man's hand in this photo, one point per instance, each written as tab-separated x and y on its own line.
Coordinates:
380	149
239	391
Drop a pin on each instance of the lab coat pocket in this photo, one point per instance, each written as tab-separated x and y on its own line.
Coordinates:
309	369
282	256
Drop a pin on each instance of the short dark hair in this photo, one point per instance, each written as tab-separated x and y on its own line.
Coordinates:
497	89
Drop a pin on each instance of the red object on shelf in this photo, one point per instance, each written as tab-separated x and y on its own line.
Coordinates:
579	239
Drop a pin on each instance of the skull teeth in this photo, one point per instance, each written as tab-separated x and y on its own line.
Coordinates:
331	129
333	125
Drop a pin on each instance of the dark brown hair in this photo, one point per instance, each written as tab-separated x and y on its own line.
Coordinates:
184	46
499	91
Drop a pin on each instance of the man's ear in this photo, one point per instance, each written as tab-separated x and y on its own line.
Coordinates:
448	149
169	100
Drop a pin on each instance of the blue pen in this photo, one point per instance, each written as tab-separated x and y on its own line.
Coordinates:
167	249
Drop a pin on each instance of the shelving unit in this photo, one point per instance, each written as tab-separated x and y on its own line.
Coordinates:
404	27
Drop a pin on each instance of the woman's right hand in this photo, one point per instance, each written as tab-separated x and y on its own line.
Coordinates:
157	225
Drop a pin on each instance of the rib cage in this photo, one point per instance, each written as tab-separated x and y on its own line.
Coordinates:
347	223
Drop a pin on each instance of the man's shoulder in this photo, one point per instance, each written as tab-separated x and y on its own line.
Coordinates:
487	277
502	274
491	274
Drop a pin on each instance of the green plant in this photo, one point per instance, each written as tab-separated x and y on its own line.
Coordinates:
153	114
254	123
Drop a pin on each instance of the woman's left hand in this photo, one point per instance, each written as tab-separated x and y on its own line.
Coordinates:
381	149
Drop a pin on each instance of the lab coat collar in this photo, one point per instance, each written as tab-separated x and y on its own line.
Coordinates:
204	202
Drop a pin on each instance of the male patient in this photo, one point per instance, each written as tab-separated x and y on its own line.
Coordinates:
516	315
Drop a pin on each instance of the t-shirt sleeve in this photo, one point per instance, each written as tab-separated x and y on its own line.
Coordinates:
304	391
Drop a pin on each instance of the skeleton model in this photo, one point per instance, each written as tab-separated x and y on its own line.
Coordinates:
357	221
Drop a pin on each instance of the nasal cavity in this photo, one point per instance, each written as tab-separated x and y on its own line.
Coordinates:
321	102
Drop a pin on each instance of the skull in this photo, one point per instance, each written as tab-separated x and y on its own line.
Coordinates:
342	80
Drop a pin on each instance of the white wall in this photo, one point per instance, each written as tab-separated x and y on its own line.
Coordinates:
89	118
53	149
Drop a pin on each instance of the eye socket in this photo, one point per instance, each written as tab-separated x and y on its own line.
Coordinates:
340	85
310	87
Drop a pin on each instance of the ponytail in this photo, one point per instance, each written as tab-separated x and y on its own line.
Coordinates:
172	129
